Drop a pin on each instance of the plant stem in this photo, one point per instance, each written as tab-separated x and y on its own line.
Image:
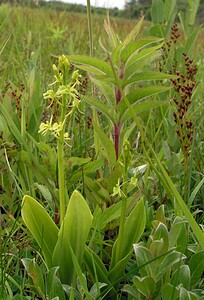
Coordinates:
122	218
60	153
90	27
117	139
117	127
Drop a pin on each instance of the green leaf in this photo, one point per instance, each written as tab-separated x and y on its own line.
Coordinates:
4	43
181	276
146	285
192	11
132	64
184	294
140	94
95	289
54	285
73	233
175	196
170	260
169	292
95	266
131	48
147	76
35	273
117	271
81	276
101	107
141	64
196	265
87	169
107	145
106	89
192	38
41	226
111	213
160	214
194	192
91	64
169	9
144	260
133	228
144	92
178	236
161	232
135	31
157	11
122	48
130	290
111	34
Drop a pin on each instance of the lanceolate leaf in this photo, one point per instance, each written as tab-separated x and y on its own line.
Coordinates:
41	226
116	54
73	233
131	36
141	55
100	106
147	76
107	145
140	94
111	34
106	89
96	65
131	48
157	12
133	229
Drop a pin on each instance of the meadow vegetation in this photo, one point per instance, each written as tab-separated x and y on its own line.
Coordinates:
101	155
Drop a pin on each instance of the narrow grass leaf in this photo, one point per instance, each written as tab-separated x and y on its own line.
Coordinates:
95	264
194	192
80	275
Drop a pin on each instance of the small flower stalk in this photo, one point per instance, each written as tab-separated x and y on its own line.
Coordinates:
63	100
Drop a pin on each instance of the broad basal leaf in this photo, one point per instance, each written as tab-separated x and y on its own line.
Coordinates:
72	235
41	226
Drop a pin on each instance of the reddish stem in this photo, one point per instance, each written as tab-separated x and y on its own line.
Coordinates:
117	127
117	138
